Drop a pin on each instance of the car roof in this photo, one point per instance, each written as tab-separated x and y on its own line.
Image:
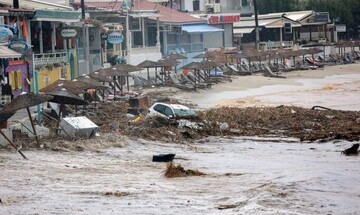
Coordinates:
174	106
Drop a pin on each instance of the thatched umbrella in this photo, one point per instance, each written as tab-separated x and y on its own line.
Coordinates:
101	78
5	115
148	64
167	63
91	81
95	83
121	70
176	56
27	100
193	66
62	96
205	55
72	86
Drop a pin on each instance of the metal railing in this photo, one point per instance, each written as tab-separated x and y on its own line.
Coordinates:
50	58
186	47
279	44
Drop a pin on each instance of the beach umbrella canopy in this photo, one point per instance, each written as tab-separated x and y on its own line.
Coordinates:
208	64
97	76
192	65
167	62
119	70
314	51
96	84
204	55
25	101
63	96
73	86
147	64
5	115
176	56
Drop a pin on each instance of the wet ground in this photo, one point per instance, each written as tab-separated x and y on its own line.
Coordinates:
243	177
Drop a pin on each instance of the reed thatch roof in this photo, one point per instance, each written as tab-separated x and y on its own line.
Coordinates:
63	96
119	70
96	84
147	64
176	56
5	115
96	75
72	86
26	100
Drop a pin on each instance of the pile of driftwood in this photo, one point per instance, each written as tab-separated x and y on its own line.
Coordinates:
316	124
302	123
305	124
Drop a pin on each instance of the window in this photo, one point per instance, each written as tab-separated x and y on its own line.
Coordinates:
160	108
168	112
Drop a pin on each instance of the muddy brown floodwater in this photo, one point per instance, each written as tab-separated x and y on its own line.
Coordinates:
242	177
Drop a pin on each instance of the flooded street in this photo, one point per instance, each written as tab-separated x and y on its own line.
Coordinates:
243	177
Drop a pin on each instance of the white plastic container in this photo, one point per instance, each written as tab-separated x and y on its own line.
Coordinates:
78	127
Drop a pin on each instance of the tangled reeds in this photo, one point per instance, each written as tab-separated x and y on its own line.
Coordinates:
302	123
176	170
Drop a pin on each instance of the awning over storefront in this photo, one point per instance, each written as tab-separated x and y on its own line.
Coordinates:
34	4
202	28
5	53
243	30
57	16
158	1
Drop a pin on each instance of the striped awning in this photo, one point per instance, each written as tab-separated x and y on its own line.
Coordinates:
158	1
5	53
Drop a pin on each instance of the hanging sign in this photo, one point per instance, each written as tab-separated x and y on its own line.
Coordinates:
66	33
5	35
104	36
19	46
115	38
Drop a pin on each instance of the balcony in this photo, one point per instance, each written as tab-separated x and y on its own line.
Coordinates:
186	47
50	58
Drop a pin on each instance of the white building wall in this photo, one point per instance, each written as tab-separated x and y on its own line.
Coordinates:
187	5
213	40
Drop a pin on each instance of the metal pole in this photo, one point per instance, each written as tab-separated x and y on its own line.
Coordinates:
82	5
12	144
256	26
33	126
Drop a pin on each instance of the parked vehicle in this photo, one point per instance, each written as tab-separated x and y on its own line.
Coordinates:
171	111
180	113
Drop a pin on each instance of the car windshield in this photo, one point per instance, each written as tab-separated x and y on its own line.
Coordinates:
184	112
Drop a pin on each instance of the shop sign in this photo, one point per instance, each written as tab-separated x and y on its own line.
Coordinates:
5	35
219	19
66	33
341	28
115	38
104	36
18	46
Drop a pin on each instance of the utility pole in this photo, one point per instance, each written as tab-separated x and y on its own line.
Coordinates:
82	5
256	26
16	4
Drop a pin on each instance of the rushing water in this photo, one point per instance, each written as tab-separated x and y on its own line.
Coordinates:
247	177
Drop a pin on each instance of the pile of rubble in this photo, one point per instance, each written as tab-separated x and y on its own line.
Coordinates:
304	124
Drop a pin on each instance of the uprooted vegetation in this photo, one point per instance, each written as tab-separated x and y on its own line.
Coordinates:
284	121
116	129
176	170
302	123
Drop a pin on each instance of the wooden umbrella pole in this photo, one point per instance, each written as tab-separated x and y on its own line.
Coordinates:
32	125
127	83
12	144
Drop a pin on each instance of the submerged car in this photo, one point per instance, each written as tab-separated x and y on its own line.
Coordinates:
171	111
180	113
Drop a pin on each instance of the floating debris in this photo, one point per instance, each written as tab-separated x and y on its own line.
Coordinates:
176	170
